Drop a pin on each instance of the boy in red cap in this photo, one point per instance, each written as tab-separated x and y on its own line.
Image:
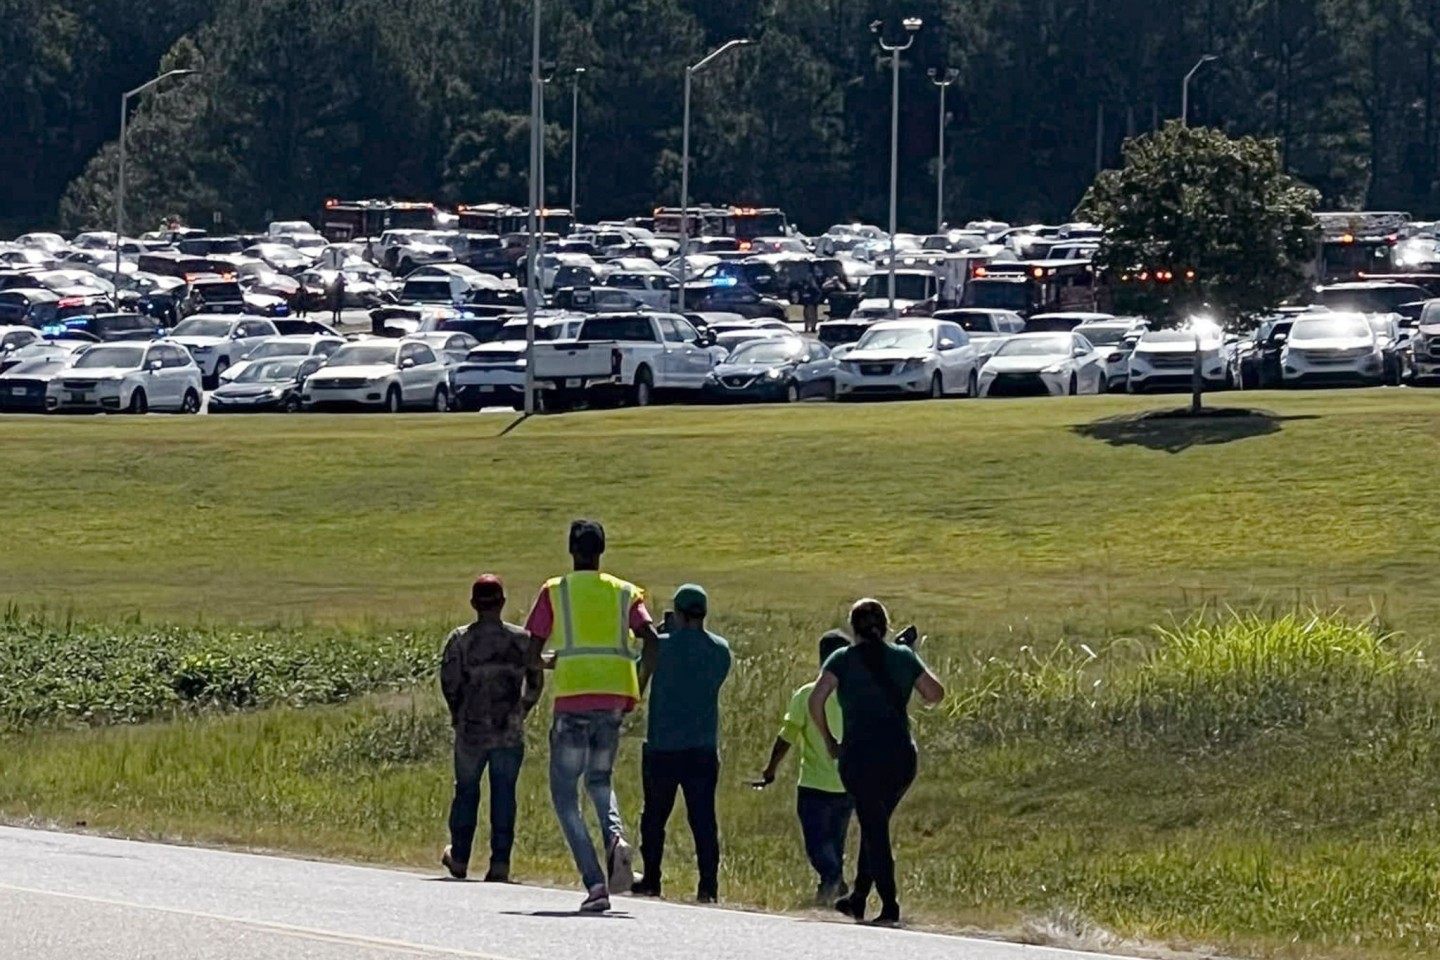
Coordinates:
491	681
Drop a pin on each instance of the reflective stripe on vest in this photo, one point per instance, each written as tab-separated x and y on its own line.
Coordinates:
592	637
567	627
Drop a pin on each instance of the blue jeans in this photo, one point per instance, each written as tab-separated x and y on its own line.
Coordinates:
583	745
825	823
470	764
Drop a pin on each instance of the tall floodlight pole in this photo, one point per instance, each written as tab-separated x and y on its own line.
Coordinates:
532	269
120	178
574	137
1185	88
942	79
685	160
912	26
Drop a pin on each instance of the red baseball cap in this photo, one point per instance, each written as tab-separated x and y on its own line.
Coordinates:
487	586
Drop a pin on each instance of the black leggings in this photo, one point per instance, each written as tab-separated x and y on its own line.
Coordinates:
877	776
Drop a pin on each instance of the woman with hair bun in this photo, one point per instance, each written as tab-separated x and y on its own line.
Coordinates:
874	680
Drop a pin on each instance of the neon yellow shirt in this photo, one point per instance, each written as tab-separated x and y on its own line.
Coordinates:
818	770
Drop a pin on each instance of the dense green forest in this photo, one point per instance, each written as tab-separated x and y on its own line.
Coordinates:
301	99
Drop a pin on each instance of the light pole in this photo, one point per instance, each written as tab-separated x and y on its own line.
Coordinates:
942	79
120	178
532	269
685	160
547	73
912	26
574	135
1185	88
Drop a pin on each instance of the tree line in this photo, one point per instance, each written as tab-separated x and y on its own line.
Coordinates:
304	99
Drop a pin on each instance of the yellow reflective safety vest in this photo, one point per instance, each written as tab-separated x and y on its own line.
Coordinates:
591	639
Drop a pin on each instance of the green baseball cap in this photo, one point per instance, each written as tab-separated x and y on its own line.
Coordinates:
692	599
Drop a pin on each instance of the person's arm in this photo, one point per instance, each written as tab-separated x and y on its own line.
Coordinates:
824	690
452	677
540	624
931	690
778	752
649	654
534	675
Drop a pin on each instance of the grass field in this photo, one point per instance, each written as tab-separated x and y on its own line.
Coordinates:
1262	792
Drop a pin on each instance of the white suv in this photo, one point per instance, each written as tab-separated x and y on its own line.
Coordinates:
381	374
1329	349
219	341
128	377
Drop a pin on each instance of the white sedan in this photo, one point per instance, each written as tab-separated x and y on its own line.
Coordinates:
272	348
218	341
452	346
130	378
1043	365
381	374
910	358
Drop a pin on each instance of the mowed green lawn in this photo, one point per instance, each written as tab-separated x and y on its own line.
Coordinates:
1303	824
982	520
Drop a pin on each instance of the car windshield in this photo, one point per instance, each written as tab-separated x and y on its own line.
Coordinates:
908	286
280	348
122	357
1325	328
197	327
515	330
769	351
1034	347
270	371
1102	336
363	354
897	338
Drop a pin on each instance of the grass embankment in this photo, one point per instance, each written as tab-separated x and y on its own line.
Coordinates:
1250	787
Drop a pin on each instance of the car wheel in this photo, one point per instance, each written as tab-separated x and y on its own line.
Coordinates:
191	402
138	403
643	393
972	388
392	400
291	405
1102	386
442	400
830	391
1074	385
937	387
792	392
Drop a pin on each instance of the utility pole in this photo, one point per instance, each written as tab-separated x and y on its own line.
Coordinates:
532	268
120	175
942	79
912	26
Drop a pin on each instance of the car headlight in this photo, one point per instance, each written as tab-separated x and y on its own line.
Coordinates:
277	393
1054	369
912	365
201	349
774	374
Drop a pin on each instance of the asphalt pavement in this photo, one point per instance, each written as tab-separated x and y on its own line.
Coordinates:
65	896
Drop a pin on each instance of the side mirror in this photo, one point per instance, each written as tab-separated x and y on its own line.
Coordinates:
947	345
155	365
407	363
1081	352
1280	338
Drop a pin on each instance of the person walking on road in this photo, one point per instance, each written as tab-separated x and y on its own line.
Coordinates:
592	619
873	680
337	297
823	806
491	680
682	749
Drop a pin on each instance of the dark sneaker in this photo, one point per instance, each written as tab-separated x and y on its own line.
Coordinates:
707	895
597	901
621	860
851	909
498	873
828	893
645	887
457	870
889	917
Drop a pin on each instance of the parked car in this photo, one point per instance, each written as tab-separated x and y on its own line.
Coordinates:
1114	340
1260	358
128	377
1332	349
452	347
917	357
783	368
386	375
265	386
1425	344
620	357
13	338
1394	346
1165	360
25	381
493	373
275	348
719	298
218	342
656	289
1369	296
1043	365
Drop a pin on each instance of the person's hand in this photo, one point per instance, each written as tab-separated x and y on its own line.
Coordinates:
766	778
547	660
833	746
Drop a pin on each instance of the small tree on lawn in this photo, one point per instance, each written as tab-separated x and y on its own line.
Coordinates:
1197	220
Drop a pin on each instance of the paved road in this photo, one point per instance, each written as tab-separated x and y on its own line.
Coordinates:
64	897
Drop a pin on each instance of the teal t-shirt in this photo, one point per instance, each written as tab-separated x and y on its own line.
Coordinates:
684	711
875	713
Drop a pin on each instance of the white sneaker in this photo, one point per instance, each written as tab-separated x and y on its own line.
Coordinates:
622	865
598	901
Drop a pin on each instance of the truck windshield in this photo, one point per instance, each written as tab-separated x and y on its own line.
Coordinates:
639	329
908	286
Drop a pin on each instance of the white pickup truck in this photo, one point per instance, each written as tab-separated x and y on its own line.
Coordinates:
493	374
623	358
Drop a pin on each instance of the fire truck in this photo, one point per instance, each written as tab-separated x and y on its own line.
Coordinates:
1356	245
344	220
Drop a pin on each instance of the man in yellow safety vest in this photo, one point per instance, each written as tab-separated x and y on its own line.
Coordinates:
592	619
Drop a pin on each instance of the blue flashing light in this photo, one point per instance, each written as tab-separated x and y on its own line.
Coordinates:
725	281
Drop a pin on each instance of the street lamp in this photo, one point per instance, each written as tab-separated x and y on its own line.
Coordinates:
547	74
574	134
685	159
1185	88
942	79
912	26
120	180
532	269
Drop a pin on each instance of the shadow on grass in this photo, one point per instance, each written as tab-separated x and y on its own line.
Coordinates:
1173	431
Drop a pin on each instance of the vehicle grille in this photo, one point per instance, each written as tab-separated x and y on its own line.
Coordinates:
1333	356
338	383
1018	385
1172	360
737	383
876	369
78	385
497	356
1432	347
